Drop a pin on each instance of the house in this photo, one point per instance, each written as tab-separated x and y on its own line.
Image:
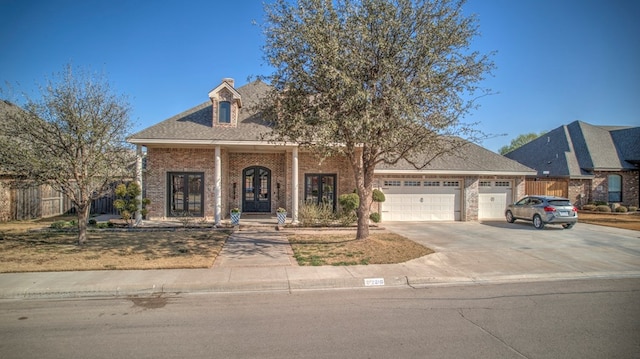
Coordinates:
213	157
585	163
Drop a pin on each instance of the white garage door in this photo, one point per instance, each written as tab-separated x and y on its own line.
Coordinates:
493	199
421	200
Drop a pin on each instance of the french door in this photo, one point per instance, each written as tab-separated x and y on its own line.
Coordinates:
185	194
256	189
320	189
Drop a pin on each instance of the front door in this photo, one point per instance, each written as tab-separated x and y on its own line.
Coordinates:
256	189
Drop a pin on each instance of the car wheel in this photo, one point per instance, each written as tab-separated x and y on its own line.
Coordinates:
510	217
537	222
568	225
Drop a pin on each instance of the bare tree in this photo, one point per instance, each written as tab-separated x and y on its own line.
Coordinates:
377	81
72	137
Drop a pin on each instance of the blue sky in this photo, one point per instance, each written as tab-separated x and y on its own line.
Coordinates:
557	60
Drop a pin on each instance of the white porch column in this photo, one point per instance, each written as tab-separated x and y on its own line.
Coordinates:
294	187
139	182
217	190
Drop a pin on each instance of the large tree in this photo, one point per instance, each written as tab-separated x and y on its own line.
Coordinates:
377	81
519	141
71	137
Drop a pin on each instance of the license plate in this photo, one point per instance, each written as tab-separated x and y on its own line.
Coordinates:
564	213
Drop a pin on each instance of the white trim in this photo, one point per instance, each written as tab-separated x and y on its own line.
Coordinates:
145	141
217	189
294	182
450	173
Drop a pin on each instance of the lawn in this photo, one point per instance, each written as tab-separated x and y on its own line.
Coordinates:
340	248
39	251
617	220
29	247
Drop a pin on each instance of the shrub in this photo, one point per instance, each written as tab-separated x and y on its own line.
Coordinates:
622	209
311	214
589	207
378	196
375	217
633	208
59	225
603	208
600	203
349	202
92	222
127	201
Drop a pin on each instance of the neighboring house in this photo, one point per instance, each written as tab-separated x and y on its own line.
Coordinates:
585	163
214	157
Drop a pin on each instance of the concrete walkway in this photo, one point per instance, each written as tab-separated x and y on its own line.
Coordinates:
261	260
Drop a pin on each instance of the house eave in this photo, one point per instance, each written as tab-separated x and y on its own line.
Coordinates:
452	172
208	143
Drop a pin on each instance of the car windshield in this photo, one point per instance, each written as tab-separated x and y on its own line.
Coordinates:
559	202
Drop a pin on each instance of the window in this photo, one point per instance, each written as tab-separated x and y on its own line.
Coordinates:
615	188
224	112
412	183
431	183
320	189
185	194
503	183
391	183
451	184
485	183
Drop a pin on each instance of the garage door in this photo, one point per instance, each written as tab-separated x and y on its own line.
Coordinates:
493	199
421	200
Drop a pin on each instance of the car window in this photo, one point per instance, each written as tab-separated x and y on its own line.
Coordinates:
559	202
534	201
522	202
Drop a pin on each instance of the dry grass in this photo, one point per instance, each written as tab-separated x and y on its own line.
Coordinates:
339	248
22	251
618	220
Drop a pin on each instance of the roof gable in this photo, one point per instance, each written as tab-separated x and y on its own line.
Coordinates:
578	149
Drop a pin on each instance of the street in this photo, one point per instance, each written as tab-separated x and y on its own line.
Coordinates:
597	318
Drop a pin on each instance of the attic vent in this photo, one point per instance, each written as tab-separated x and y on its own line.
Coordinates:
548	139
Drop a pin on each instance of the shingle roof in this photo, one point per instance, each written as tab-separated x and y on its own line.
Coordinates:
578	149
196	123
468	158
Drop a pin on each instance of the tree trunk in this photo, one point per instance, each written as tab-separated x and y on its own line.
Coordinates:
83	218
363	215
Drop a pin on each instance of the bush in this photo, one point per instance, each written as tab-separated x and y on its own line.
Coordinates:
375	217
603	208
311	214
59	225
349	202
378	196
589	207
622	209
600	203
92	222
633	208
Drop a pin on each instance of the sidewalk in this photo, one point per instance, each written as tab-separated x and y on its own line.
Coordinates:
261	260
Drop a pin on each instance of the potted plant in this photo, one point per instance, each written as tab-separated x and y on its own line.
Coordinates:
235	216
282	215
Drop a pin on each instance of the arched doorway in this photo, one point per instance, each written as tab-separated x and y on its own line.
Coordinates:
256	189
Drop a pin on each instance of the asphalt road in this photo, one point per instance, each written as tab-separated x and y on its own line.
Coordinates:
597	318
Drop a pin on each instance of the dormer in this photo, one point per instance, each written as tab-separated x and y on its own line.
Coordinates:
226	103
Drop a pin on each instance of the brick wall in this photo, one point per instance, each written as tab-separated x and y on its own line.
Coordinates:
163	160
237	162
630	190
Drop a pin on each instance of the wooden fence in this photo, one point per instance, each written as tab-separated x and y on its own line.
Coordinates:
43	202
547	187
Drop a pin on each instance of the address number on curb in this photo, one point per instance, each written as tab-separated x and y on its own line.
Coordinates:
368	282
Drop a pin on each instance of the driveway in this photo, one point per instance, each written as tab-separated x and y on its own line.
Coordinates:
514	251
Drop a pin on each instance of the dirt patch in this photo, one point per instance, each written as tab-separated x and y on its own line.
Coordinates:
42	251
340	248
618	220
